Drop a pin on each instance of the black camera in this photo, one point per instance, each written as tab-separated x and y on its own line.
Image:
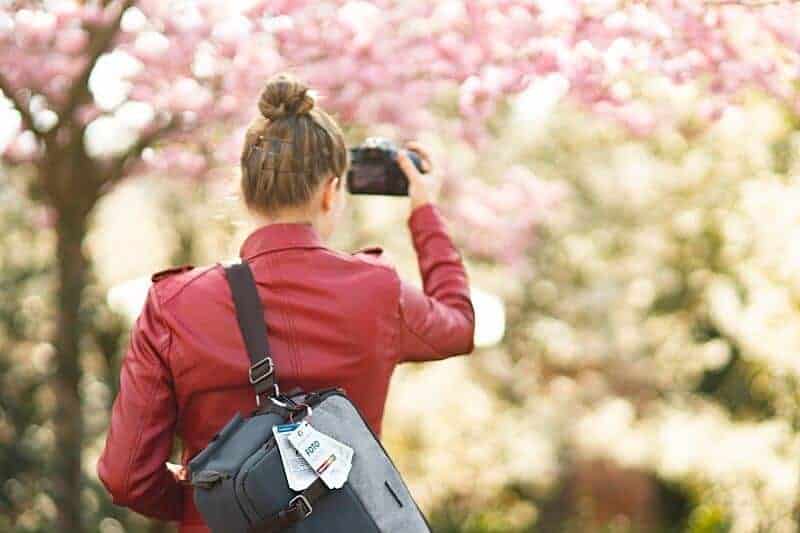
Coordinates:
374	168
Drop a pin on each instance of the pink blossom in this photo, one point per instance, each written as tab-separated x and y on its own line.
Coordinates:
481	210
92	14
22	148
86	113
37	27
374	62
188	95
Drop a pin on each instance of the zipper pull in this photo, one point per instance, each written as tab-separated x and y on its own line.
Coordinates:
206	479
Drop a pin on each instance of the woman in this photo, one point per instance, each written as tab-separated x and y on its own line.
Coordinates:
334	319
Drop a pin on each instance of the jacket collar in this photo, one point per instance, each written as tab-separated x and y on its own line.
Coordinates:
280	236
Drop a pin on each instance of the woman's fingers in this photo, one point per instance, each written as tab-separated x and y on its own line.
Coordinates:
408	167
417	147
424	155
420	189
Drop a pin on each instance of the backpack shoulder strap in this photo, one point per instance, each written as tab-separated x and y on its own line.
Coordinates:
250	315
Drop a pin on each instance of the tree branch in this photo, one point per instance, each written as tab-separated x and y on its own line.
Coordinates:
100	43
118	164
19	105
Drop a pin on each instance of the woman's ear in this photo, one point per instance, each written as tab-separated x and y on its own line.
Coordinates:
330	193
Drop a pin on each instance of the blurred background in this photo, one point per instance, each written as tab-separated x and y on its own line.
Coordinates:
623	178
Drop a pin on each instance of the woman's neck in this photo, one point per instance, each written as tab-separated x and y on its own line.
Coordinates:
285	216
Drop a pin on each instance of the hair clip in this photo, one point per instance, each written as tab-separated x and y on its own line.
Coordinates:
277	140
255	159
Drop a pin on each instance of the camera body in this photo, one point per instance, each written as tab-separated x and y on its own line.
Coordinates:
374	168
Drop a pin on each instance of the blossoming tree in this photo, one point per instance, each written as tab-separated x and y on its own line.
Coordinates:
102	90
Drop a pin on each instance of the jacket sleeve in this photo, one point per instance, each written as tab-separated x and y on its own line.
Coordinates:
140	437
438	321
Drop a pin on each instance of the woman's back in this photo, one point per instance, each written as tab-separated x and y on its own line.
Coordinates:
334	319
330	318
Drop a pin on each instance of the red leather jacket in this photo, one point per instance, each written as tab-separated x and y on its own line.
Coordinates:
334	319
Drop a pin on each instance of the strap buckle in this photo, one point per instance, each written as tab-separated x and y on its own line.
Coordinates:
300	407
275	393
259	364
301	499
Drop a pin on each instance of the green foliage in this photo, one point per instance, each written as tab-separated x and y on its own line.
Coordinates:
453	516
24	280
709	519
27	402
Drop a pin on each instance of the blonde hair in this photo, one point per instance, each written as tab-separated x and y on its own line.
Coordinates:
291	148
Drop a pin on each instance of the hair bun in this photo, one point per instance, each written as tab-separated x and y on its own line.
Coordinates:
283	96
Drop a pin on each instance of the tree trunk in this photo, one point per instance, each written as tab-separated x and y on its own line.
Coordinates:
72	275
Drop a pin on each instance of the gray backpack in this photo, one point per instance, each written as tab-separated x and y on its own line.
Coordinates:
239	481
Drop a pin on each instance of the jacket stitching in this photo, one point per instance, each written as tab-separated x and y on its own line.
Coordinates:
404	323
354	257
135	449
198	275
417	335
395	338
284	315
298	360
139	432
167	348
281	248
293	348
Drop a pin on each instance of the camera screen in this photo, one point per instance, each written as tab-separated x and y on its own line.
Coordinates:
367	177
375	173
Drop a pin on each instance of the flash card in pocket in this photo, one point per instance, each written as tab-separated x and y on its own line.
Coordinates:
329	458
299	474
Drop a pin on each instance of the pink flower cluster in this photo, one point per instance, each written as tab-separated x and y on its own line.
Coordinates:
386	61
499	221
383	61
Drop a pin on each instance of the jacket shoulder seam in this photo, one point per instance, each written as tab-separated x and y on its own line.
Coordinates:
199	273
350	256
371	260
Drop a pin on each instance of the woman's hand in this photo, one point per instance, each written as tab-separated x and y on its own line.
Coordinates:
179	472
422	188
